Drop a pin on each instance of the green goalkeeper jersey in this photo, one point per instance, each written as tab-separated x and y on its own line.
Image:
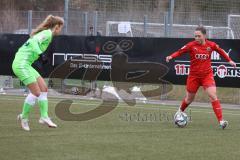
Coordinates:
33	48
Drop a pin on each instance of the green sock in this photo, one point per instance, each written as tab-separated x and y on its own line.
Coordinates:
26	110
43	104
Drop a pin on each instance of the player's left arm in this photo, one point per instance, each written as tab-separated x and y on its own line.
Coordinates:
224	55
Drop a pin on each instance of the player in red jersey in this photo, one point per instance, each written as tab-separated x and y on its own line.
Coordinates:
201	73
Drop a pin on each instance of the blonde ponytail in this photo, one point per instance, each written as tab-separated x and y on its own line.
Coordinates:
49	23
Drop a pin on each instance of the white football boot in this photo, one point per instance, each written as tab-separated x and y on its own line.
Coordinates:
176	114
24	123
48	122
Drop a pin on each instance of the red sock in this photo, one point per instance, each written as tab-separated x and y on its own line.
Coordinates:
217	109
184	105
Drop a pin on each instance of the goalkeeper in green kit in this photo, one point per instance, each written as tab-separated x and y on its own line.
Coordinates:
26	55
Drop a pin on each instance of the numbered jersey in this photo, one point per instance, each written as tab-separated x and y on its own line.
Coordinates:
200	56
31	50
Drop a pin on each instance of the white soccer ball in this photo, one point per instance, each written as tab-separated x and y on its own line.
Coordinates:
75	90
181	119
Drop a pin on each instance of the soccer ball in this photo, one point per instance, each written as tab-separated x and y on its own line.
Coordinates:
74	90
181	119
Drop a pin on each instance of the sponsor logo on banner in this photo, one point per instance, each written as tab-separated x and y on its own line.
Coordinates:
182	69
82	57
221	71
215	55
83	60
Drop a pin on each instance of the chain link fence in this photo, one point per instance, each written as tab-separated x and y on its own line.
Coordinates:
142	18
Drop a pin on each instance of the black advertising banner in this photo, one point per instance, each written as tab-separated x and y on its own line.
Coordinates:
9	44
120	59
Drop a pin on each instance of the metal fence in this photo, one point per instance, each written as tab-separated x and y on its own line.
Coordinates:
140	18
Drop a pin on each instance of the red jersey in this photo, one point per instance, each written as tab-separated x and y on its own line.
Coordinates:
200	56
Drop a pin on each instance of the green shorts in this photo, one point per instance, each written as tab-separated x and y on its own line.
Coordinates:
26	74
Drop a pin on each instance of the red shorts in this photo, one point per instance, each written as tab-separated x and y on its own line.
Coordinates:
193	82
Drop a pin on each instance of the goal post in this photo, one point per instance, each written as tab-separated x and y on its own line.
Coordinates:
234	24
138	29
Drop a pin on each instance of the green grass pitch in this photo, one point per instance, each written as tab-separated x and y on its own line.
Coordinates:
141	132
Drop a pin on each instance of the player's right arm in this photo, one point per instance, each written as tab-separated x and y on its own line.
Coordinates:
181	51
